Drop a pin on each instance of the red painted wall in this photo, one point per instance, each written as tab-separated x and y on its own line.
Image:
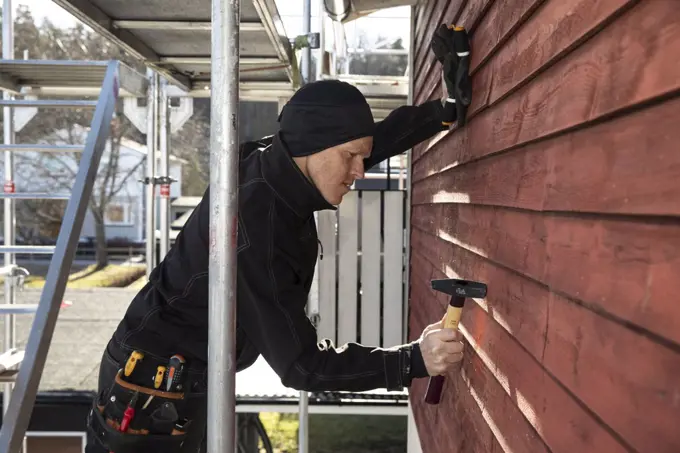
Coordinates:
562	193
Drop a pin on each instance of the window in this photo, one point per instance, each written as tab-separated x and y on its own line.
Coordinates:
117	214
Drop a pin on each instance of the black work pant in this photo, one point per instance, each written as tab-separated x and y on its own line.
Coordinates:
113	359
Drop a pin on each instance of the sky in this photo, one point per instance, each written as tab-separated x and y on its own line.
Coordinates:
390	23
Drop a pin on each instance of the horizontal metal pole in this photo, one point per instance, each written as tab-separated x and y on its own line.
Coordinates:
36	249
339	409
179	25
354	51
16	309
43	148
370	78
62	103
207	61
8	376
77	92
35	196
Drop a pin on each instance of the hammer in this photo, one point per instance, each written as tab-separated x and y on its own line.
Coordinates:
459	290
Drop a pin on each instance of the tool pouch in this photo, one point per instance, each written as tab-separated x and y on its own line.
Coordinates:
160	425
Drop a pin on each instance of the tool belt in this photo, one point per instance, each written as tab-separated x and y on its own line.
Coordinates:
138	413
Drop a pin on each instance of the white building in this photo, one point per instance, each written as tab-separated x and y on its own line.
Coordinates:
124	214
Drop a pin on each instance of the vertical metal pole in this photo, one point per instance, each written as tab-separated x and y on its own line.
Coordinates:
164	215
224	147
409	154
303	409
306	66
322	41
151	140
10	221
303	428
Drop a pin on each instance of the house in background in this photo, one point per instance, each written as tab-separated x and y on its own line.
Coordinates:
561	193
124	216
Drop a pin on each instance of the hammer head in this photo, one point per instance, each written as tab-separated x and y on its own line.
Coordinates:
460	288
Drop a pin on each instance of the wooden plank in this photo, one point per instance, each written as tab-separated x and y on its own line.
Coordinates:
424	30
393	268
327	274
468	16
425	9
519	59
457	424
370	267
605	168
504	20
501	20
563	424
525	45
594	81
587	353
527	322
424	58
605	263
499	414
348	245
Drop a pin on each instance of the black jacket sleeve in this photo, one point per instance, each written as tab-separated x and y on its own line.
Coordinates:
404	128
272	314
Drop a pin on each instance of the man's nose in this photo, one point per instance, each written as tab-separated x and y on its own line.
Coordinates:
358	168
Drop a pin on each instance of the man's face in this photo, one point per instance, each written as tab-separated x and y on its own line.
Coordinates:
334	170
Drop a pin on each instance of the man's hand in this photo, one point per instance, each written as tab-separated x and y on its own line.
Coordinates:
451	47
441	348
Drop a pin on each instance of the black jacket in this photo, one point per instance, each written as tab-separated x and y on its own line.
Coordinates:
277	253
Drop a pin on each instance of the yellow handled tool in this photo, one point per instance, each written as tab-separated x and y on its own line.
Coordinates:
132	361
458	290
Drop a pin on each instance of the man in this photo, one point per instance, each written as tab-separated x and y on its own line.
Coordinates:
327	138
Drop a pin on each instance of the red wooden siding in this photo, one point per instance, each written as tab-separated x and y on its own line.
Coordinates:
562	193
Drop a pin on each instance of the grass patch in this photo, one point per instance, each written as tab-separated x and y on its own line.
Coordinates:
139	283
111	276
282	430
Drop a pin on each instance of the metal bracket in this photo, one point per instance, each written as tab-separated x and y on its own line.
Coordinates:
158	180
311	40
16	275
315	318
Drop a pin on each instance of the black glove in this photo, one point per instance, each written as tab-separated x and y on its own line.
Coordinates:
451	47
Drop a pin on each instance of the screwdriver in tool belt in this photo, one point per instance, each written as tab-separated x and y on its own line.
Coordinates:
132	361
129	413
157	382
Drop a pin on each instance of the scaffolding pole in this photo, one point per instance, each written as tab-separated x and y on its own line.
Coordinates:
224	147
9	220
164	208
151	141
303	409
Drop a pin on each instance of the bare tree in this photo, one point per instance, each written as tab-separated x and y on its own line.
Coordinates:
56	171
191	142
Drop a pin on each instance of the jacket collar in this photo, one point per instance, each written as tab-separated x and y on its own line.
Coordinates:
290	184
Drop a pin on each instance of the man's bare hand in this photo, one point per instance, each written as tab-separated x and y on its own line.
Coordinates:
441	348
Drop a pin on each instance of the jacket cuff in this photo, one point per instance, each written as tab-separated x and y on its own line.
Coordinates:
402	365
435	109
418	369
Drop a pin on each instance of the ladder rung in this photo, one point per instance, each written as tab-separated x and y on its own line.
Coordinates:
43	148
35	196
8	376
17	309
60	103
46	249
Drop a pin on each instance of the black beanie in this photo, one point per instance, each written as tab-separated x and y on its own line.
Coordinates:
324	114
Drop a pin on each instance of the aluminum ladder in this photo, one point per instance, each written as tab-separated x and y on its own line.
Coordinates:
109	78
